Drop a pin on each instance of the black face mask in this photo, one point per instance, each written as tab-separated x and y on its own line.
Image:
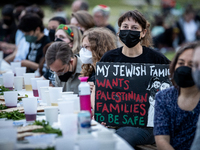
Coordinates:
8	22
196	77
183	77
58	40
66	76
52	34
129	38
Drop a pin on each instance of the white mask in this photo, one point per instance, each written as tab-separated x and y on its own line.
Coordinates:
85	56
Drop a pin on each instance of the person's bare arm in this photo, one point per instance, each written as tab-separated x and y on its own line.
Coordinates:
11	57
163	142
92	97
29	64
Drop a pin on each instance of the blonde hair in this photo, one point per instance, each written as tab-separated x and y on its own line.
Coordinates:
101	41
76	38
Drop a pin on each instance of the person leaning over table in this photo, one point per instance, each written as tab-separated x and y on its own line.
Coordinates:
72	36
135	36
65	65
196	77
177	108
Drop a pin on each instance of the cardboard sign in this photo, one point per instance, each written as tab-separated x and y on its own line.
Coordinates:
125	92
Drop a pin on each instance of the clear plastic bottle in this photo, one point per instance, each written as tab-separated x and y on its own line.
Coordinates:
84	94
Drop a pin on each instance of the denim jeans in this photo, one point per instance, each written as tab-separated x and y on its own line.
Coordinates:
136	136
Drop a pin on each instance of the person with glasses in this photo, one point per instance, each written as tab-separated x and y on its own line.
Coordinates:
95	42
64	65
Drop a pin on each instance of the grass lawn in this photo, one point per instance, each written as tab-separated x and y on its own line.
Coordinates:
170	55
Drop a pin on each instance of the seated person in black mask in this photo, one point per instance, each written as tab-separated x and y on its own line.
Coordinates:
65	65
53	24
32	26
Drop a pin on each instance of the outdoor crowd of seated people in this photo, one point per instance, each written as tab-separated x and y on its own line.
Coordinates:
62	52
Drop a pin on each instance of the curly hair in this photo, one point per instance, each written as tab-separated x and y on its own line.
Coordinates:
101	41
138	17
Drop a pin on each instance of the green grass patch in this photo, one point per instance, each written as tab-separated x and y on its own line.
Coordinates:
170	55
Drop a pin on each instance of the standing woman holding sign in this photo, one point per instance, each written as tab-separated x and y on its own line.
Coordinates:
134	33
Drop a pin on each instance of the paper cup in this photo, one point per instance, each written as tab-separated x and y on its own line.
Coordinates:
20	71
8	80
51	114
18	83
11	98
30	108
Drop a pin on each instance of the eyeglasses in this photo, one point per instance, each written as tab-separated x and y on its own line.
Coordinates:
60	73
85	47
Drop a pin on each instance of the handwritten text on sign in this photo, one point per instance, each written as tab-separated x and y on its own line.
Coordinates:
124	92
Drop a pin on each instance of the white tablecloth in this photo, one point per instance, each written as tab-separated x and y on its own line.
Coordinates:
121	144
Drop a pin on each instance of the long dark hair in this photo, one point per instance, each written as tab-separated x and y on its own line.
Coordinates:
175	59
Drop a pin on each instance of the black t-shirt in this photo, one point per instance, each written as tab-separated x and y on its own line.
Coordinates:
36	49
49	76
148	56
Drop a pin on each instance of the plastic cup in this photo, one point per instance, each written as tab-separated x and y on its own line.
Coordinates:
42	83
42	90
8	138
55	94
88	142
64	143
69	124
11	98
8	80
43	97
18	83
27	80
1	55
15	65
20	71
66	107
51	114
34	86
76	100
47	97
1	80
30	108
45	139
66	93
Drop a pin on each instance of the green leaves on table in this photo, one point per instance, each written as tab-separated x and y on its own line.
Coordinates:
20	99
14	115
3	89
2	107
46	128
